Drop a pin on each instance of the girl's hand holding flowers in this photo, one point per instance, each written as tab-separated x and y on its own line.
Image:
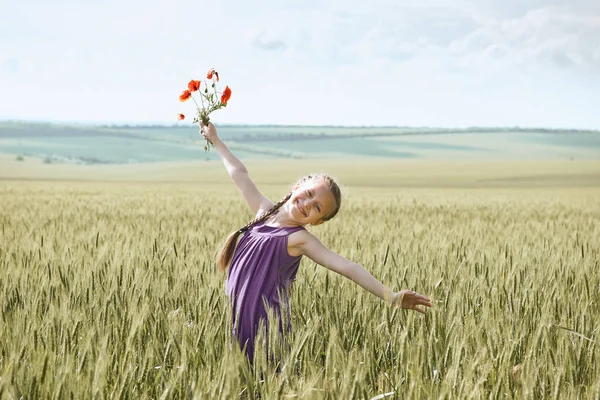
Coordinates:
209	101
208	131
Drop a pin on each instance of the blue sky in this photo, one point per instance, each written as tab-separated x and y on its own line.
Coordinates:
346	62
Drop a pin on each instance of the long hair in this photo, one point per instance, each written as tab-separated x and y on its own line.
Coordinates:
226	252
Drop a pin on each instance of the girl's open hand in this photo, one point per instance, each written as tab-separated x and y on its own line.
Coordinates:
208	131
411	300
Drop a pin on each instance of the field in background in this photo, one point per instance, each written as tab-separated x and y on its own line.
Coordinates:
75	144
109	287
350	172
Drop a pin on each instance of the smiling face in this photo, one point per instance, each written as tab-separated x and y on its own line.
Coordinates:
311	202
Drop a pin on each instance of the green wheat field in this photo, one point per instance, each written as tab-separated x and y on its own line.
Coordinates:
109	289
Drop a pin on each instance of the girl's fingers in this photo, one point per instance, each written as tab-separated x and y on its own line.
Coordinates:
420	310
424	300
420	297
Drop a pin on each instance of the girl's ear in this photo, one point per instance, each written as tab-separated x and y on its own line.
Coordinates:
319	222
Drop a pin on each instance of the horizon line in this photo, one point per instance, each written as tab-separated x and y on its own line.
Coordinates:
265	125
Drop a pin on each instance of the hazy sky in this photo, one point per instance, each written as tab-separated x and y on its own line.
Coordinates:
347	62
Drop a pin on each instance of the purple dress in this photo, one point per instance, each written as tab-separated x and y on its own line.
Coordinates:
261	270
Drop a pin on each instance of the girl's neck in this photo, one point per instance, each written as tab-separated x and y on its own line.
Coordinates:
281	220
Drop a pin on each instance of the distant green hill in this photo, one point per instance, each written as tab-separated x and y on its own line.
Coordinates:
131	144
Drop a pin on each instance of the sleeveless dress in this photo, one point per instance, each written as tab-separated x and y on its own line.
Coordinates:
260	274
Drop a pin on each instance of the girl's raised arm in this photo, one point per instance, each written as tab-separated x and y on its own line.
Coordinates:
319	253
238	172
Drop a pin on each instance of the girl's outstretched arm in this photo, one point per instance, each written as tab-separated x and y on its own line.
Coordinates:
237	170
319	253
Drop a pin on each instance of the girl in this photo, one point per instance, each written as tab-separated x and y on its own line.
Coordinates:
266	259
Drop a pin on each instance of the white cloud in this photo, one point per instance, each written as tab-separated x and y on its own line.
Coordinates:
543	38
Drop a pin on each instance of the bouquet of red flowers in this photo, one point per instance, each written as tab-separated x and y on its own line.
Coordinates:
209	99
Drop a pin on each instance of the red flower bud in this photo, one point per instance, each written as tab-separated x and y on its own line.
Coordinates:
210	73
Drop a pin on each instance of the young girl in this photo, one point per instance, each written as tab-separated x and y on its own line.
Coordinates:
265	261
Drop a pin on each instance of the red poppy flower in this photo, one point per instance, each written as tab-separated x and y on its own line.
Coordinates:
226	95
193	85
185	95
180	117
210	73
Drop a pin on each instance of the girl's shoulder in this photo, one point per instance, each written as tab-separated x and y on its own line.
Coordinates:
296	241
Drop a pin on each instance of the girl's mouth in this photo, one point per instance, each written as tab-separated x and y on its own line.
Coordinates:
301	209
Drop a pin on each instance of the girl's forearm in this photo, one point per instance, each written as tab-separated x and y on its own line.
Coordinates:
232	163
362	277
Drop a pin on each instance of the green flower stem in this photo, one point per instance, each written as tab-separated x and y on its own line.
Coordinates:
214	85
204	118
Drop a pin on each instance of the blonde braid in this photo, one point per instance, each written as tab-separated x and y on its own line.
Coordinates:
266	215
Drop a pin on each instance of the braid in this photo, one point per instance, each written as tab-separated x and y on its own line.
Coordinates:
266	215
226	252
